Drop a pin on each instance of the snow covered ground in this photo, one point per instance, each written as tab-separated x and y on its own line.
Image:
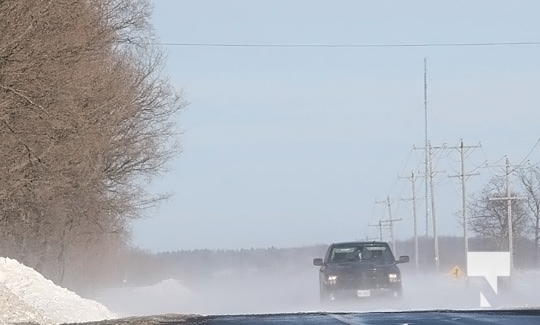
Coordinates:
27	297
298	292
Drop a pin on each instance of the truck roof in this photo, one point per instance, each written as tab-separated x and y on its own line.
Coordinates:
352	243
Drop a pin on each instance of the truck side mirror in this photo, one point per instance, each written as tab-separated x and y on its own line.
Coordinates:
318	262
403	259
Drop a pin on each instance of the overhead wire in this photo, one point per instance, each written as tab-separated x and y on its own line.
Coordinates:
530	152
403	170
388	45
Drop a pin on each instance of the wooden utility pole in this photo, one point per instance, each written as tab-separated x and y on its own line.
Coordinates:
508	200
413	179
389	222
463	177
509	212
426	163
429	180
433	215
380	229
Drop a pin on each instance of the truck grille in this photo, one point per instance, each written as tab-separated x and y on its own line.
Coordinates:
370	279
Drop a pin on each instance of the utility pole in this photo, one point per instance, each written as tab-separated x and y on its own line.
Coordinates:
508	200
429	181
463	177
509	212
413	178
426	146
434	216
389	222
380	229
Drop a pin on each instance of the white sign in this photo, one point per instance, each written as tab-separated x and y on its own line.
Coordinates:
489	265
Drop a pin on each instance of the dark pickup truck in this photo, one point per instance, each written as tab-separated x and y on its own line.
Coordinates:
359	270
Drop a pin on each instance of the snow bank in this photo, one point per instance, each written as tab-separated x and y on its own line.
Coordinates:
26	296
166	297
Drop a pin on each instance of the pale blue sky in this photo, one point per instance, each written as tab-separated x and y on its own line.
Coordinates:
292	146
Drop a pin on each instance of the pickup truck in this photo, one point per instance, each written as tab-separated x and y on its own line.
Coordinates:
359	270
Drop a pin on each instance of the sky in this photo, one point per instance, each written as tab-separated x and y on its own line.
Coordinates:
296	146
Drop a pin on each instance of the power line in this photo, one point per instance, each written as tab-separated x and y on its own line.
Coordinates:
398	45
404	168
530	152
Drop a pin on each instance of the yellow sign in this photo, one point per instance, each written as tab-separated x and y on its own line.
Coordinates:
456	272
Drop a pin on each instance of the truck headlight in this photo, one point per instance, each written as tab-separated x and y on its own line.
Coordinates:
393	277
332	279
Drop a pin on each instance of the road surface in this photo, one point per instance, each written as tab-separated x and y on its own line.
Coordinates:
487	317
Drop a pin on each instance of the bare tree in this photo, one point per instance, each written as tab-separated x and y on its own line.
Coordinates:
530	182
86	118
489	217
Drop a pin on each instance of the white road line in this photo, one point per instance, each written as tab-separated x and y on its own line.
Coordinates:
346	320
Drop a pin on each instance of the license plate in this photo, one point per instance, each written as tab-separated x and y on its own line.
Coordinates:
363	293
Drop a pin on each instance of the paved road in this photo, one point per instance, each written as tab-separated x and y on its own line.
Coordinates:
519	317
400	318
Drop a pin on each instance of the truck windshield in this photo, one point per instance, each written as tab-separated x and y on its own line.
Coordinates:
375	253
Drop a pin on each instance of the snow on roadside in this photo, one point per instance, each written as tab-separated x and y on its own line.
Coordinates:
26	296
166	297
14	310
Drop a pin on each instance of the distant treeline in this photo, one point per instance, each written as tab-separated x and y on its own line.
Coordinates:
192	266
197	266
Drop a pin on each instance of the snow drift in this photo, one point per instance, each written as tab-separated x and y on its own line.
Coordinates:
26	296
